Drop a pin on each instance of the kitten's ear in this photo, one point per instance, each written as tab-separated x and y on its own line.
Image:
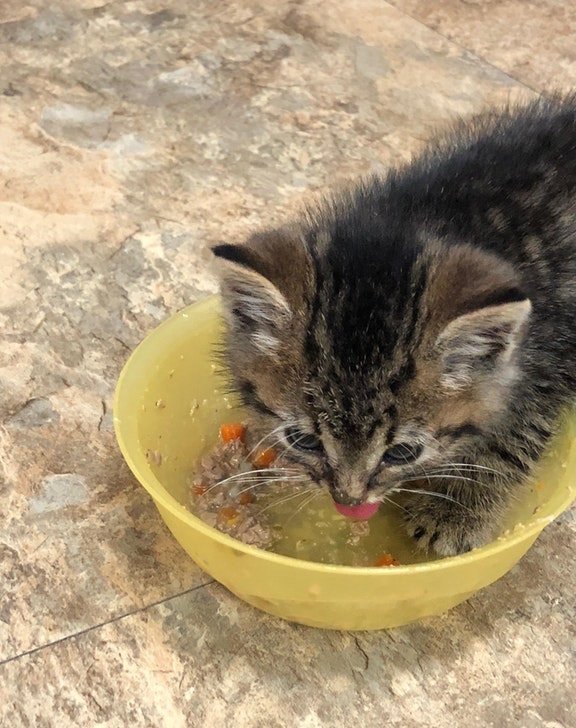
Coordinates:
480	341
256	285
486	312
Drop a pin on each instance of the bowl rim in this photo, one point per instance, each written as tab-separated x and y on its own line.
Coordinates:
125	422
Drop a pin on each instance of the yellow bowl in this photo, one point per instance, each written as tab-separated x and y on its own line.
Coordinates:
167	411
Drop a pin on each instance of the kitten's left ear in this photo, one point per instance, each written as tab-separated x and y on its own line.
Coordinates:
485	310
481	341
260	283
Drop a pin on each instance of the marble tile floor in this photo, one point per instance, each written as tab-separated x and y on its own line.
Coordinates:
133	135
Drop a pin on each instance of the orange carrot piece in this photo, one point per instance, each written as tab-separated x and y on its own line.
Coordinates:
199	488
264	458
386	560
245	498
232	431
229	514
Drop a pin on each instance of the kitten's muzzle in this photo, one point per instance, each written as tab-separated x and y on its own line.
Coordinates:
345	499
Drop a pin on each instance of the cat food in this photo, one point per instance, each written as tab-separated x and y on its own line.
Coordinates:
264	458
246	492
232	432
221	488
386	560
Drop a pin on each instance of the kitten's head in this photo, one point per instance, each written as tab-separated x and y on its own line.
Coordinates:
376	357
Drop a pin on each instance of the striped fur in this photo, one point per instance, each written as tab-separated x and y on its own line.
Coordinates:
433	307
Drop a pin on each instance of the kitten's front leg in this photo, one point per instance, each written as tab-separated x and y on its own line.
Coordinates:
458	517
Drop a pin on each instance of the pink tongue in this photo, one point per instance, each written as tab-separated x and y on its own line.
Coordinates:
359	513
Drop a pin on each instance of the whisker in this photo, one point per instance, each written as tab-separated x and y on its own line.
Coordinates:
247	474
281	501
265	481
434	493
440	446
425	474
271	480
419	466
472	466
262	440
285	450
449	476
304	504
392	502
292	445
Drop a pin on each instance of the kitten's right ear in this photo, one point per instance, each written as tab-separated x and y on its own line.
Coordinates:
254	304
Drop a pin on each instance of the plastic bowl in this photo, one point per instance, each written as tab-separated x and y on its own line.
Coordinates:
168	407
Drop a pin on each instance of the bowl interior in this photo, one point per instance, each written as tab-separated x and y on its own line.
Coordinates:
171	400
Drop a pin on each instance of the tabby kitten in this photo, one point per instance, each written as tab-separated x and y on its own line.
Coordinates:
421	329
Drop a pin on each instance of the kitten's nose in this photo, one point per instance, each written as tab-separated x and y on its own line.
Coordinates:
345	498
349	487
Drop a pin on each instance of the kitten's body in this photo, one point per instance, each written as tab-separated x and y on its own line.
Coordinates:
432	311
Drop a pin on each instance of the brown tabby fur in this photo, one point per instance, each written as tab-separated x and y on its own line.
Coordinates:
432	312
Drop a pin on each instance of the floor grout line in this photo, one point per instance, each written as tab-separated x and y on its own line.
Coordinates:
474	54
118	618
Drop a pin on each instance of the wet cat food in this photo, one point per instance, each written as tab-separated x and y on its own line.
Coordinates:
251	494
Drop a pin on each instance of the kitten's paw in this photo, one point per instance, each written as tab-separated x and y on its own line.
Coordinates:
446	530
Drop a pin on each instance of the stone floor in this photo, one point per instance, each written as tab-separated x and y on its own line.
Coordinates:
132	136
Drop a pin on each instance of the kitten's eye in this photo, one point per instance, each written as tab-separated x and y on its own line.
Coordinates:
402	453
302	440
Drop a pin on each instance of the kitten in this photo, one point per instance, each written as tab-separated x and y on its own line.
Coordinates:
421	329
